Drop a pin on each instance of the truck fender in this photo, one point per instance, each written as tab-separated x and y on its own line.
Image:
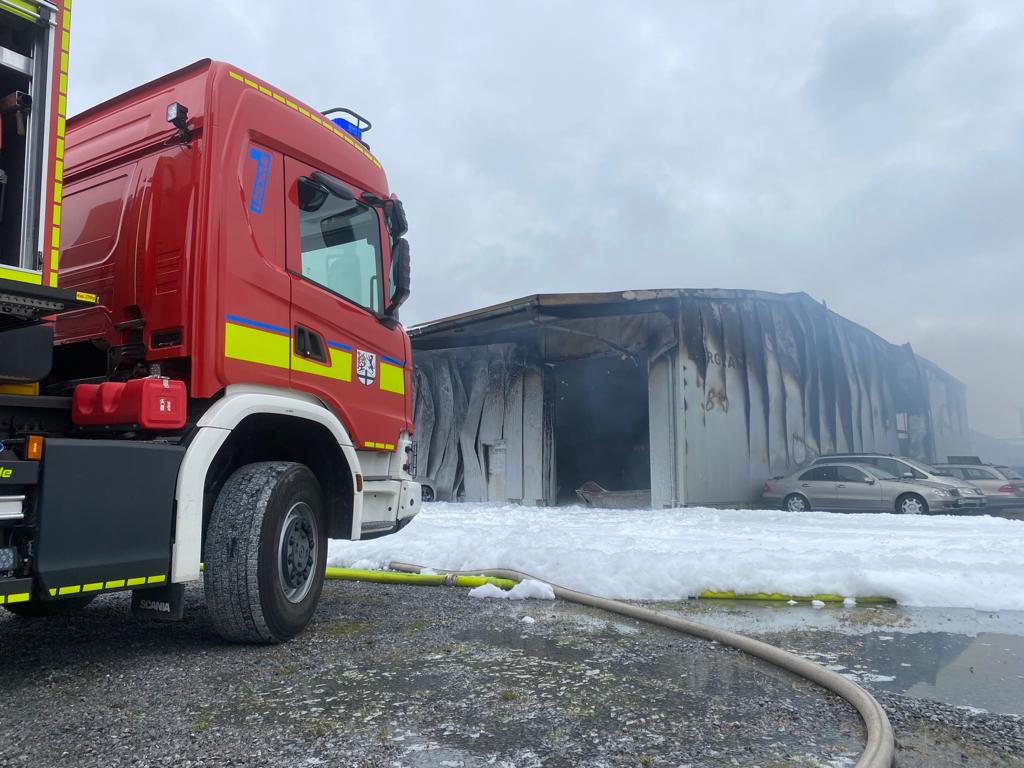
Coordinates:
212	430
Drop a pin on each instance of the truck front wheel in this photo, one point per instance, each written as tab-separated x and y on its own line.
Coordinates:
265	554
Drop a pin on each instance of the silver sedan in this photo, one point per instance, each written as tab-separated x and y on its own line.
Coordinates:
857	488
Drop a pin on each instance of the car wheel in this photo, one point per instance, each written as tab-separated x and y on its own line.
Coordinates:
265	553
796	503
911	504
426	492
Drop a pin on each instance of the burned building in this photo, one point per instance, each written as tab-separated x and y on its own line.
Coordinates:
664	397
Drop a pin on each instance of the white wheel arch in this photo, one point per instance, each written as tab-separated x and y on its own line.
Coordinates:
240	401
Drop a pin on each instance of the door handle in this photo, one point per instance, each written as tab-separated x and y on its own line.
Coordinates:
805	485
840	485
308	344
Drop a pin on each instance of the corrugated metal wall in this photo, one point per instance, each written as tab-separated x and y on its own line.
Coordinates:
767	383
742	386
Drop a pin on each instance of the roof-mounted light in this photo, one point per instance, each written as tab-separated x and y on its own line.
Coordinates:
356	129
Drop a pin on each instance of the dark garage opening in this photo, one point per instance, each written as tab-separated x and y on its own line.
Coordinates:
601	425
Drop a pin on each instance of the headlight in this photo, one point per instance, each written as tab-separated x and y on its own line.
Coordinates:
940	492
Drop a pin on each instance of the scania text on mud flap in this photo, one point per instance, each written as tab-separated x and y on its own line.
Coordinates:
207	364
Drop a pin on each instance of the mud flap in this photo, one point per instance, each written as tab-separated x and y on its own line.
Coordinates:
163	603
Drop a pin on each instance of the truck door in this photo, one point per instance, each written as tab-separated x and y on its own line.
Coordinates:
341	351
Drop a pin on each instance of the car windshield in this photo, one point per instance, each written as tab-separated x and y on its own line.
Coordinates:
1011	474
924	467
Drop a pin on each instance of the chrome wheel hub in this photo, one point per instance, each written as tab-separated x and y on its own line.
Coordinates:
911	507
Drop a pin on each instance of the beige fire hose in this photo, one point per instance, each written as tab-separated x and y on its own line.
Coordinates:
880	747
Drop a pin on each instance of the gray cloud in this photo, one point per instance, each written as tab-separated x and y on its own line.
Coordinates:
869	156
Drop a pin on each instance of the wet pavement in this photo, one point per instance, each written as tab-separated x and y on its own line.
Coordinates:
961	657
390	676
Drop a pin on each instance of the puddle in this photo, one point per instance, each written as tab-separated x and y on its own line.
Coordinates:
986	672
962	657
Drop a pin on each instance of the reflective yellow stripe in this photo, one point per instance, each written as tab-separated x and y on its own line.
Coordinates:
58	164
24	9
53	593
21	275
72	590
340	368
31	388
256	346
92	587
135	582
392	378
389	447
117	584
156	579
237	76
19	597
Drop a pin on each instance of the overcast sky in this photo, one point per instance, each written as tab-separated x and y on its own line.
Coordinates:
870	155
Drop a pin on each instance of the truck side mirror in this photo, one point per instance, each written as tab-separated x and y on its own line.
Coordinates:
395	218
400	274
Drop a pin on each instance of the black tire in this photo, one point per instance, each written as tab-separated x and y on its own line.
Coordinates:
911	504
37	608
796	500
259	588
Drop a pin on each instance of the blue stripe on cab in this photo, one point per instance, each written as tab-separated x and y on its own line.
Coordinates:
386	359
338	345
257	324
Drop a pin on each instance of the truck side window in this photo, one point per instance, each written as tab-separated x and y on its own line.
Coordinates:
341	249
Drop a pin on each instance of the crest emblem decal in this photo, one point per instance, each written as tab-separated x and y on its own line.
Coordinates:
366	366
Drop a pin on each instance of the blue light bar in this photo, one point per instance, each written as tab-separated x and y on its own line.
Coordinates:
345	125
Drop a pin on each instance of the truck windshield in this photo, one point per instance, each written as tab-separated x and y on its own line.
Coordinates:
341	250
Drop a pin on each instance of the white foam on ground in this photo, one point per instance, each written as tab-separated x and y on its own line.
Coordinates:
527	589
941	561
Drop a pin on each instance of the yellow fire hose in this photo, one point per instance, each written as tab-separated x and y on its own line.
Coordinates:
880	747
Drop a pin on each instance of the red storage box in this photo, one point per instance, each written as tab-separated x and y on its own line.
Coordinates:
153	403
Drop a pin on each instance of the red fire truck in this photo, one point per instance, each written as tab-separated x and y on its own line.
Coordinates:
206	368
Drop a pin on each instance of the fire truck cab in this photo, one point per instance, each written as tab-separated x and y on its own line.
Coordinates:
232	385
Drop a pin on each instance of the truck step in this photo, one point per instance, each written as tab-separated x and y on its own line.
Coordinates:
22	302
11	508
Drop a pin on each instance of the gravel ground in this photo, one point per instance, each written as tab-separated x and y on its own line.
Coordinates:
407	676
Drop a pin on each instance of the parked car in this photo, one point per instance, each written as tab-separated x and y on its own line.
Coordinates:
852	487
1003	486
970	497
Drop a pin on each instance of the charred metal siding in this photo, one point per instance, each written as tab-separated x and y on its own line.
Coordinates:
769	382
742	386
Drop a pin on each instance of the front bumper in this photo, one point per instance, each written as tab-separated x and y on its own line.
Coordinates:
971	501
